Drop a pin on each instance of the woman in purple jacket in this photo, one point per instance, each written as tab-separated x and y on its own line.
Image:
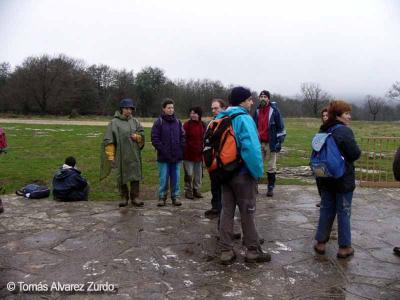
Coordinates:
168	137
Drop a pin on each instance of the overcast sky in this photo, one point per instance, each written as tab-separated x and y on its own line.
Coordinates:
351	48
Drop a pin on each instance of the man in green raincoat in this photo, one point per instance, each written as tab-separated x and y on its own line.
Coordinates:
121	149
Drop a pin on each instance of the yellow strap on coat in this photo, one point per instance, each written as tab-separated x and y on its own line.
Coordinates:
110	151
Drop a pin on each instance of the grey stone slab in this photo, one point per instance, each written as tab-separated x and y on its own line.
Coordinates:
313	275
366	265
371	292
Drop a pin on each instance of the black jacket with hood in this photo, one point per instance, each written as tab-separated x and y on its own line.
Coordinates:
68	184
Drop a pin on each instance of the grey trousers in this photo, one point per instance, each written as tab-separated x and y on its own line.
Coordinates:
193	174
240	191
271	157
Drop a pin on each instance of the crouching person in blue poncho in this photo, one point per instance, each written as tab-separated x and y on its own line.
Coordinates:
68	183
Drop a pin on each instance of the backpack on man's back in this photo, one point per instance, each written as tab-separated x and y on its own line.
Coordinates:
220	152
326	160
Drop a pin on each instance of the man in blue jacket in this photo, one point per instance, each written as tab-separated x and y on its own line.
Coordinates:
271	130
68	183
241	189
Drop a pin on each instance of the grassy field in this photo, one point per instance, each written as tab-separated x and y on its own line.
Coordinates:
65	117
36	151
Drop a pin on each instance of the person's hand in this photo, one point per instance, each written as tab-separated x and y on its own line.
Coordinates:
137	138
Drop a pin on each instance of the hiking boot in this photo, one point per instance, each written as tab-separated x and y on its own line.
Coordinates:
345	252
319	248
134	194
211	213
176	202
257	257
227	257
237	236
137	203
396	250
189	195
197	194
161	202
124	196
271	183
260	240
123	204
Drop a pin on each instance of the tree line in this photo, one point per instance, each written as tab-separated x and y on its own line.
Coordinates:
62	85
313	99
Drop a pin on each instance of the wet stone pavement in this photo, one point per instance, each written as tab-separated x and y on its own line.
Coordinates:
170	252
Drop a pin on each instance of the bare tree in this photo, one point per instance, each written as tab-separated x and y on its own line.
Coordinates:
103	77
148	84
5	71
48	84
375	105
124	85
314	97
394	92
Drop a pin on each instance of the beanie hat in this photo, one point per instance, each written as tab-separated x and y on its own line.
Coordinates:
265	93
238	95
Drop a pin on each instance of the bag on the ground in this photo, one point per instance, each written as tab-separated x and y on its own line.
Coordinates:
3	141
326	159
34	191
220	152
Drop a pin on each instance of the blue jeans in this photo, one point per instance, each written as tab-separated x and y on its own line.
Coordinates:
169	172
333	204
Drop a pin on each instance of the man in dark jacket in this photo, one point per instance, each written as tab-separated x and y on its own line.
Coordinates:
1	203
217	105
396	173
271	131
168	137
396	165
68	184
